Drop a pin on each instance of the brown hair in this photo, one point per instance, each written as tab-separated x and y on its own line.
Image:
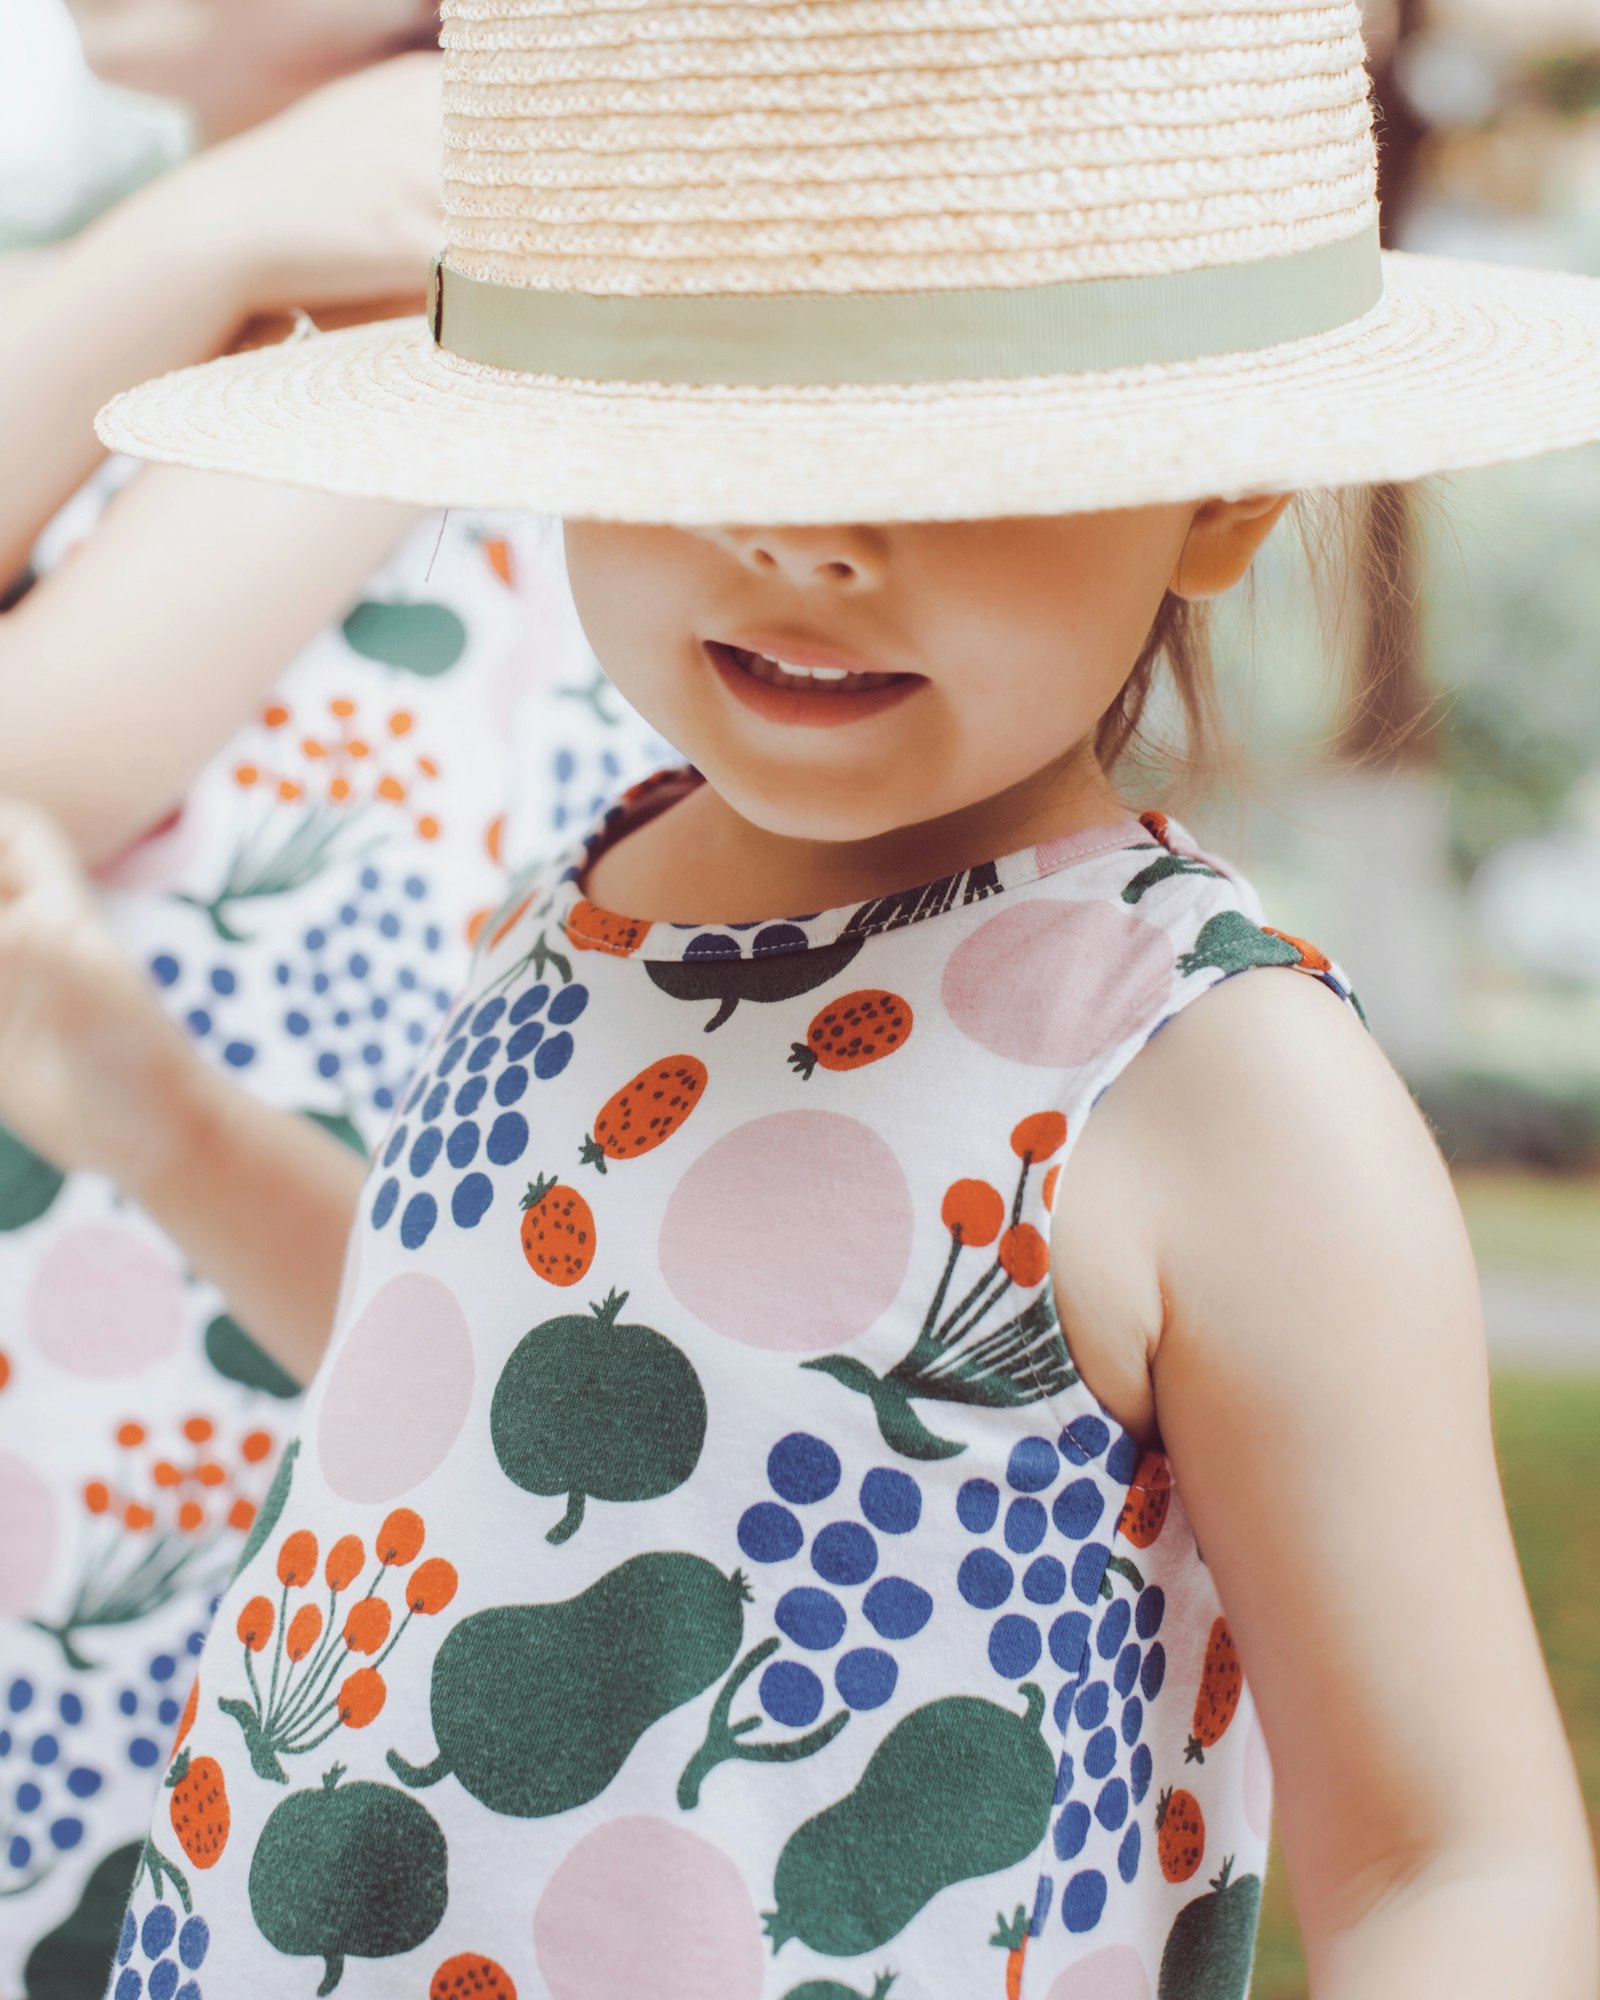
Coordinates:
1363	548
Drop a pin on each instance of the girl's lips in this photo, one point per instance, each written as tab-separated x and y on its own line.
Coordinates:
835	696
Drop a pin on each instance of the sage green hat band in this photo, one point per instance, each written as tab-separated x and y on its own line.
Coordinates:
769	341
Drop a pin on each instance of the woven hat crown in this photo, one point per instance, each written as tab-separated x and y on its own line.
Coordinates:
681	147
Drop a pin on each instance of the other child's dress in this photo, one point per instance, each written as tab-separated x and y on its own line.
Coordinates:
306	915
700	1572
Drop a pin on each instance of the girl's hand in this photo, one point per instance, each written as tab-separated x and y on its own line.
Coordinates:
90	1067
335	201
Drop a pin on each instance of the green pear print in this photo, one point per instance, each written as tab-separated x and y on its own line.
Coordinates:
357	1870
1212	1941
588	1407
975	1782
71	1960
536	1707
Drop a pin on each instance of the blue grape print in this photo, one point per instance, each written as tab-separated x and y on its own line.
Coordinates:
469	1112
46	1789
803	1515
1044	1570
159	1957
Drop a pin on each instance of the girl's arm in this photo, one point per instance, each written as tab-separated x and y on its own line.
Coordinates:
125	671
332	203
122	673
95	1077
1321	1386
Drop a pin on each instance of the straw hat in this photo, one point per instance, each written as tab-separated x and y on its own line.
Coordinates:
814	260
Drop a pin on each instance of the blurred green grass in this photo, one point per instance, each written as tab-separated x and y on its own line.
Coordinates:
1547	1431
1537	1223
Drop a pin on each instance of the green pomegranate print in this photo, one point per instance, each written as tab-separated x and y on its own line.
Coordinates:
974	1779
1212	1941
71	1960
833	1989
237	1358
271	1508
782	976
348	1871
425	639
1229	942
28	1184
536	1707
587	1408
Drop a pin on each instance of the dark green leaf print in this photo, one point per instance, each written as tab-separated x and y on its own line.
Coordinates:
959	1788
834	1989
589	1408
355	1870
237	1358
536	1707
1229	942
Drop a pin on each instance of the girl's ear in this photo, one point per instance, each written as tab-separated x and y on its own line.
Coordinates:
1223	538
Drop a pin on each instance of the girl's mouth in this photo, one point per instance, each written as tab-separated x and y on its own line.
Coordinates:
811	692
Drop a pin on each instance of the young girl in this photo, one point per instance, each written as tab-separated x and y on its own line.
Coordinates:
844	1365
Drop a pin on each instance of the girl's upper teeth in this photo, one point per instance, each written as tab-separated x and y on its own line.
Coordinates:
813	673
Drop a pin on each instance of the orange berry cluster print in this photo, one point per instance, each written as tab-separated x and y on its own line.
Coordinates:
558	1237
326	1668
167	1515
979	1345
849	1033
342	763
646	1111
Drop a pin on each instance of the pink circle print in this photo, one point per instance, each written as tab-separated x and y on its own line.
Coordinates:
1056	985
1114	1973
792	1233
643	1910
28	1546
103	1302
398	1392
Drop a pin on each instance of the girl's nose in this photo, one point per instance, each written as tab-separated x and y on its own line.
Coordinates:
851	558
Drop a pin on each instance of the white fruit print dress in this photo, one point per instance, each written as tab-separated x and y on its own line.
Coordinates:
307	916
700	1570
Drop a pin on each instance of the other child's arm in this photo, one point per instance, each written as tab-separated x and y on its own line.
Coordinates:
95	1077
1315	1345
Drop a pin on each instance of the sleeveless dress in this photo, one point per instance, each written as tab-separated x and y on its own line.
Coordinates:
700	1569
306	914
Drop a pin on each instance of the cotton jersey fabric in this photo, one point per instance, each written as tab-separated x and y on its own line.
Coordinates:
306	915
699	1569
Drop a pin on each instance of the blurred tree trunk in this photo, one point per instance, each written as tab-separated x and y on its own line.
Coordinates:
1390	716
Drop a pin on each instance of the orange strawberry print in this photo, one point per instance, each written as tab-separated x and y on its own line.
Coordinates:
645	1112
1221	1683
471	1976
589	928
558	1237
849	1033
200	1812
1024	1255
186	1720
1144	1512
1180	1834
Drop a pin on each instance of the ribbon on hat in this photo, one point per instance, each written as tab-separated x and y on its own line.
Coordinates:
828	339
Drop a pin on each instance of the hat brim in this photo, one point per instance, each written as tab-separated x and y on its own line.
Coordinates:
1459	365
